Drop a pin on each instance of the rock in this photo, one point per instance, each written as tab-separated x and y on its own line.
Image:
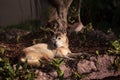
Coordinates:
53	74
104	63
100	67
66	70
43	76
103	68
101	75
86	66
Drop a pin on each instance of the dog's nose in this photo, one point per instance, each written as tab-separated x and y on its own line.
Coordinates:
55	45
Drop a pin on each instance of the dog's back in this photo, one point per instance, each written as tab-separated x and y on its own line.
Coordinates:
44	51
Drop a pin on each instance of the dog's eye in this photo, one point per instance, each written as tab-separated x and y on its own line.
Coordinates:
59	38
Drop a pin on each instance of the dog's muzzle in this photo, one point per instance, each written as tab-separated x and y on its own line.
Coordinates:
55	45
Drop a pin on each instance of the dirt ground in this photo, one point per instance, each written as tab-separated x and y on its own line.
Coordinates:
93	43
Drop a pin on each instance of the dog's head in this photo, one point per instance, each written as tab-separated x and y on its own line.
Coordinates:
60	40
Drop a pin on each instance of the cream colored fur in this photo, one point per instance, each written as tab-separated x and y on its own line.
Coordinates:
45	51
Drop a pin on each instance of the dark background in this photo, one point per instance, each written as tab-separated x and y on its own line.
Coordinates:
103	14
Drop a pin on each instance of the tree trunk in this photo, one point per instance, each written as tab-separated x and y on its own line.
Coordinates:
77	26
61	7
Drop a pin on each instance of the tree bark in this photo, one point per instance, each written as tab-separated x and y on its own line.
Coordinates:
61	7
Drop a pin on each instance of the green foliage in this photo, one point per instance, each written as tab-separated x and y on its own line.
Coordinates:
117	63
18	39
56	63
116	45
9	71
89	27
76	75
73	14
97	52
2	50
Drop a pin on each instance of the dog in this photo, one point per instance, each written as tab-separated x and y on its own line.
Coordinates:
59	47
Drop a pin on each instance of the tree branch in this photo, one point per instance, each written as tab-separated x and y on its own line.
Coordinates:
68	3
71	55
